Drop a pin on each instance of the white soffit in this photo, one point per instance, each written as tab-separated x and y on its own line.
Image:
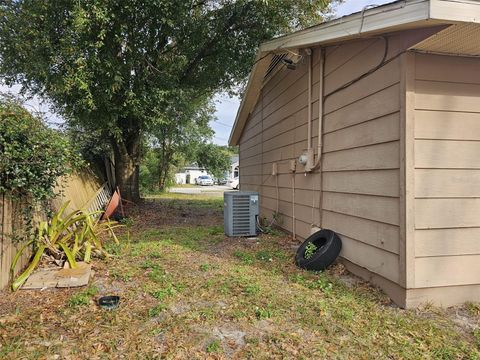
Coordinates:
457	39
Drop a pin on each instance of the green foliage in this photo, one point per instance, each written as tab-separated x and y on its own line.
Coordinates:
264	255
82	298
204	267
214	346
268	226
263	313
252	289
156	310
73	236
476	335
245	257
161	294
321	282
120	67
310	249
127	221
32	156
175	143
90	144
214	158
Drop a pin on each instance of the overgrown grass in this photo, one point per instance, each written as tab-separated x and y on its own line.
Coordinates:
181	284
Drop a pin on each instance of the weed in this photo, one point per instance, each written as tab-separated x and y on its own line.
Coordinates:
297	278
82	298
204	267
444	353
157	275
268	226
252	289
122	274
473	308
155	255
208	284
321	284
215	230
113	248
9	347
213	346
148	264
156	310
310	249
163	293
245	257
239	314
263	313
264	255
476	335
224	288
128	222
207	314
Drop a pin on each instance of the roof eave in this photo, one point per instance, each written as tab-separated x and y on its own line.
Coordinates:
400	15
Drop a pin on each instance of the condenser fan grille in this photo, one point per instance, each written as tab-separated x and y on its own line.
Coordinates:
241	210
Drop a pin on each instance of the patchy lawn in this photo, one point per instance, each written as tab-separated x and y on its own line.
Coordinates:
188	292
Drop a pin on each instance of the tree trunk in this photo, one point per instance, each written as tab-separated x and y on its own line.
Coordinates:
165	157
127	169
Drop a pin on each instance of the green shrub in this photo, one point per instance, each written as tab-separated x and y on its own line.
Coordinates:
32	156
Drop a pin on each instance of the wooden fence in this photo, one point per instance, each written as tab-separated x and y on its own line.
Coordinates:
83	191
12	227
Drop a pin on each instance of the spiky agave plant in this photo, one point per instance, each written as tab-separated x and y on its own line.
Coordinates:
75	235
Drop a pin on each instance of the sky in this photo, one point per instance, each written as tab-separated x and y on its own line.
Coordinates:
226	107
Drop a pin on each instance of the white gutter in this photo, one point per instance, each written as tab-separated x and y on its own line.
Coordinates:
376	19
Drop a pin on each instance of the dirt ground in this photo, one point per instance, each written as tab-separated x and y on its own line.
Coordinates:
188	292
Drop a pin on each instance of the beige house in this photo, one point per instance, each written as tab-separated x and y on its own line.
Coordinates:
392	164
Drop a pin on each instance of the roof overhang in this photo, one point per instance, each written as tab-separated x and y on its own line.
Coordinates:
397	16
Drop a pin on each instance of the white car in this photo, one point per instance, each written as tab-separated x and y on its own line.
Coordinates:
233	183
204	180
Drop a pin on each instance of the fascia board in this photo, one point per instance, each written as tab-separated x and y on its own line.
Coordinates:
455	10
383	18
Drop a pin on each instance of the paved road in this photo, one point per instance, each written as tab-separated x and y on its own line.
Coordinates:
201	189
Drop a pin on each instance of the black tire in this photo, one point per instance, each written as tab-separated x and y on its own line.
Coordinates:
328	247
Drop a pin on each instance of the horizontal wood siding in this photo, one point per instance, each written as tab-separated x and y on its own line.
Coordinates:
361	150
361	158
276	132
447	171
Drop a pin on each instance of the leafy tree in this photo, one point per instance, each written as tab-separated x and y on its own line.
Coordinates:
114	66
214	158
177	134
92	147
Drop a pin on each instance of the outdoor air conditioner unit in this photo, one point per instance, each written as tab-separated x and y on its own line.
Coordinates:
240	213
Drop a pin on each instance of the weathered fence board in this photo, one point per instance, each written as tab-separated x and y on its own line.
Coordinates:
82	190
12	228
